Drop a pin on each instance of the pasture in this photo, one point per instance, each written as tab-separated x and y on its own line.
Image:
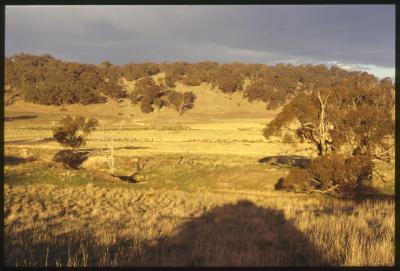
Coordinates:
206	199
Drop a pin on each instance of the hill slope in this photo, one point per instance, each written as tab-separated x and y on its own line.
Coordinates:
211	104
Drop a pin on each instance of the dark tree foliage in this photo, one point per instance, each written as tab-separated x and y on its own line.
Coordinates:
259	89
254	71
198	73
228	79
332	174
350	124
109	73
277	99
134	71
115	91
46	80
355	114
72	132
150	96
181	102
287	81
147	92
174	72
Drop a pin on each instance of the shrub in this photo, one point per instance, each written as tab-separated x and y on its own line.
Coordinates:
331	174
296	180
72	132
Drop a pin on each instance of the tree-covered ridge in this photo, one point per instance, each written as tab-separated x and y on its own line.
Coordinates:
46	80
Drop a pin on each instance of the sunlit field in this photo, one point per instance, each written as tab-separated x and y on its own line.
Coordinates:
206	199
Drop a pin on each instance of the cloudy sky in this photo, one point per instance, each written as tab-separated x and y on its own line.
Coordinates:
358	37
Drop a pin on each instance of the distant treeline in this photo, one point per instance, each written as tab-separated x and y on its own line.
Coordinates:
46	80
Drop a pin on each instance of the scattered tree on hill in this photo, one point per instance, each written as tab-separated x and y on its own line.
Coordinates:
46	80
147	93
181	101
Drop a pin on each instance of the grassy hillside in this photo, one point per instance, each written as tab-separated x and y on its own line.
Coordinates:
207	197
210	103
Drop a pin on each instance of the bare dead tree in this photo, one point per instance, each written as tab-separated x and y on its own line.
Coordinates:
140	166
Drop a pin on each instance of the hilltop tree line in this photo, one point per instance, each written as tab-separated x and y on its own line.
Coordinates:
46	80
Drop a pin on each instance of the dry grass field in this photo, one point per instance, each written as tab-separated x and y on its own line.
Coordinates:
206	199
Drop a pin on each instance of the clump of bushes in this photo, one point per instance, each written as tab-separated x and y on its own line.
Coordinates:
331	174
148	95
73	131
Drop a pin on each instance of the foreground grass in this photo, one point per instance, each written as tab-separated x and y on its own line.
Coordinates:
208	215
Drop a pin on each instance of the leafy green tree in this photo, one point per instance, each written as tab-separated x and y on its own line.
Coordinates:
72	132
349	124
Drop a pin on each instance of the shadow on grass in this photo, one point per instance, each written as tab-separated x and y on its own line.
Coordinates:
74	248
126	178
71	158
22	117
14	160
287	160
367	192
240	234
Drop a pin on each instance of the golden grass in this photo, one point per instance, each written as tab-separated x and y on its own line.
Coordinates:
234	137
231	216
97	226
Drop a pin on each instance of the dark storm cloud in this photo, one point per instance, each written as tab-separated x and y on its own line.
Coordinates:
353	35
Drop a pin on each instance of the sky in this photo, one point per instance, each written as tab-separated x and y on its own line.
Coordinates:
353	37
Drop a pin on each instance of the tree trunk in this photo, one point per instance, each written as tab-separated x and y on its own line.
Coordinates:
323	131
181	107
